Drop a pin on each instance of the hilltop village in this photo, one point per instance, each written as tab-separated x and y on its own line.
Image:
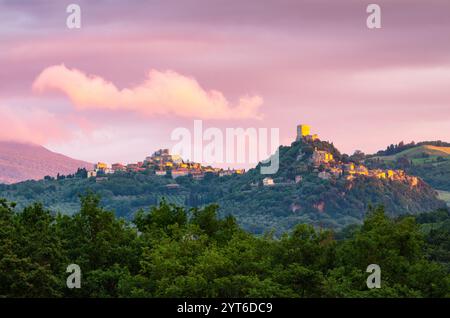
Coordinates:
320	162
327	167
161	163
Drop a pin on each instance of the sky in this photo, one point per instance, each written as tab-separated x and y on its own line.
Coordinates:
116	88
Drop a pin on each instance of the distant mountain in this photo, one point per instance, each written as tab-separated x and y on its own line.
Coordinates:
23	161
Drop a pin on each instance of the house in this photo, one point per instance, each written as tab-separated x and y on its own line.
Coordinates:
179	173
91	174
197	175
132	167
225	173
100	166
321	156
362	170
336	172
118	167
177	159
349	168
268	182
160	172
298	179
324	175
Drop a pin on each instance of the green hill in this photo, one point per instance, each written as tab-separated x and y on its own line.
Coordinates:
444	196
427	161
419	154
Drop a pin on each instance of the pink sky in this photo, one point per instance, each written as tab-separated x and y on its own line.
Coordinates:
160	65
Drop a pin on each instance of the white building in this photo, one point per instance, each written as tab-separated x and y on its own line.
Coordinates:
160	172
324	175
268	182
91	174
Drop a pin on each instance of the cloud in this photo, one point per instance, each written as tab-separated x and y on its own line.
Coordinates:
161	93
31	125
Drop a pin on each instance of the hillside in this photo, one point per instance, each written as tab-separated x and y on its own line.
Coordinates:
303	192
22	161
321	198
425	160
419	154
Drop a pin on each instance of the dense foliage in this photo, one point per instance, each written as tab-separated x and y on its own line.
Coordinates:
171	252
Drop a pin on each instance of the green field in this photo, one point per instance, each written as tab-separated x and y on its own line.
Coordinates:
420	154
444	195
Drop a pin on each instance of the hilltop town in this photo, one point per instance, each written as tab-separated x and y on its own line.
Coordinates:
161	163
320	162
325	166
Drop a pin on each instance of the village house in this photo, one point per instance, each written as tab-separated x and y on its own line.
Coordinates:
324	175
179	173
118	167
362	170
336	172
268	182
91	174
197	175
160	172
320	156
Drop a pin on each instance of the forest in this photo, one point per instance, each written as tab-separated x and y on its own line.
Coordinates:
172	251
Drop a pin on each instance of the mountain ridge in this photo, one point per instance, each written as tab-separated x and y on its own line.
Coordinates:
20	161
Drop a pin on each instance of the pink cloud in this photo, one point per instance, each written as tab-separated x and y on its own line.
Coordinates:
161	93
31	125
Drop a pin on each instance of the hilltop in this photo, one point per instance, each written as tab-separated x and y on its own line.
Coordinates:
315	184
419	154
24	161
429	160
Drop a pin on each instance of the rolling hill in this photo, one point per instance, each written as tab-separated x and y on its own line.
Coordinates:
422	153
23	161
427	160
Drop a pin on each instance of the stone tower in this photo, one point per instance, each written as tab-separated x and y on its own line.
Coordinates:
303	131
